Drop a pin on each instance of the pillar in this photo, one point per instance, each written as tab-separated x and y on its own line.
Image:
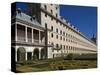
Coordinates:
39	54
39	37
26	56
15	32
32	36
26	34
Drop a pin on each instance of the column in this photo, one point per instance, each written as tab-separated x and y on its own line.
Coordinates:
32	36
26	34
15	32
39	37
39	54
26	56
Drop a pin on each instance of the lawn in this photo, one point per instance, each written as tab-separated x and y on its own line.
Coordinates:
55	64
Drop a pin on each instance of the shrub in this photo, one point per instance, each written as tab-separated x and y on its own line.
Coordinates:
70	56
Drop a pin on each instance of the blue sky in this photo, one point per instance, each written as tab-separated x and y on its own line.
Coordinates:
82	17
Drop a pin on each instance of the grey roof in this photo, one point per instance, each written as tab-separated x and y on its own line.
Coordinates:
25	17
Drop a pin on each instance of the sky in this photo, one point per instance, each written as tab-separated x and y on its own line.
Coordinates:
82	17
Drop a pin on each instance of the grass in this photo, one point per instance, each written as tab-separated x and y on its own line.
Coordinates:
55	64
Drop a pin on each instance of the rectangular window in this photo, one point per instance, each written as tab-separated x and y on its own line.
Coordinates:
45	7
52	35
64	33
57	36
52	28
45	24
56	15
56	21
57	30
64	39
51	12
57	46
61	46
51	18
61	32
60	37
64	46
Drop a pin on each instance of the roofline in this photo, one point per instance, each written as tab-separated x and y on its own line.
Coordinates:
66	24
27	23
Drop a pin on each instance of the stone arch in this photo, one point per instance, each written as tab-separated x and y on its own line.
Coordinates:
21	54
36	53
43	53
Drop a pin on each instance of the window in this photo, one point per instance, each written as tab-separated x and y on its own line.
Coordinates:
45	25
56	15
64	39
56	21
52	35
69	47
64	46
63	33
60	37
52	28
57	46
52	44
57	30
45	15
69	35
56	8
51	18
45	7
61	46
60	31
51	12
69	40
66	34
57	36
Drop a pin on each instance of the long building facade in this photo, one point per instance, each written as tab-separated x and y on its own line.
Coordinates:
47	35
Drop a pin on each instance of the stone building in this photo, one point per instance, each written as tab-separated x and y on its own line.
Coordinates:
47	35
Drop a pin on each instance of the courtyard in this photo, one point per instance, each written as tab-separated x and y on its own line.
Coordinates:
54	64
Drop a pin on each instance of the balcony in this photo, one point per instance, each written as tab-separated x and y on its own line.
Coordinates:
30	41
28	35
20	38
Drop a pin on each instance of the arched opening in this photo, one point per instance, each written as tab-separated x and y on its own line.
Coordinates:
36	53
43	53
21	54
